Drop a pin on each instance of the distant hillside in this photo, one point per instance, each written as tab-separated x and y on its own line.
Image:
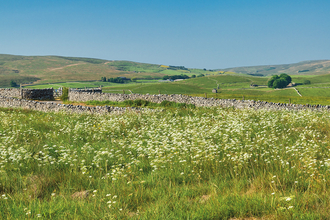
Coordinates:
315	67
51	69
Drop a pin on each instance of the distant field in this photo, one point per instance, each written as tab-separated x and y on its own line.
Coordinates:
73	72
323	92
91	84
154	88
52	69
315	67
231	86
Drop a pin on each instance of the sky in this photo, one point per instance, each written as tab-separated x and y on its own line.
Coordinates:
196	33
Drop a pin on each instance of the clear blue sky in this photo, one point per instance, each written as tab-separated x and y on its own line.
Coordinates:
197	34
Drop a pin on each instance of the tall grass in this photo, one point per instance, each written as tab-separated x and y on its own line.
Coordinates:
203	163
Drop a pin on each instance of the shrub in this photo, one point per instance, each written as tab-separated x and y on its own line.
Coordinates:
116	80
306	82
65	94
174	77
13	84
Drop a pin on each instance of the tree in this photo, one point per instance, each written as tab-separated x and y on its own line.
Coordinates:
166	77
279	81
271	81
134	79
286	77
116	80
13	84
193	76
103	79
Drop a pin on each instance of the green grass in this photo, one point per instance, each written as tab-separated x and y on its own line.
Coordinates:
154	88
203	163
315	92
194	85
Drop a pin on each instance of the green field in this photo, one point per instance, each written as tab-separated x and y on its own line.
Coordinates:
203	163
73	72
231	86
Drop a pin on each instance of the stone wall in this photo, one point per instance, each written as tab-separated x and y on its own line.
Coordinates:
80	96
8	102
92	90
11	93
58	92
38	94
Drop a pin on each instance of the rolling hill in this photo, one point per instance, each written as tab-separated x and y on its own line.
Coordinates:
315	67
51	69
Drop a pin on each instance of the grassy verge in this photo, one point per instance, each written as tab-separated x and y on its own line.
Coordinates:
203	163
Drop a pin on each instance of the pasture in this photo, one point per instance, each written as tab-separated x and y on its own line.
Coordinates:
231	86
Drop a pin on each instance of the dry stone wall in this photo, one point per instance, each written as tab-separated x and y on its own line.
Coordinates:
8	99
11	93
8	102
38	94
80	96
92	90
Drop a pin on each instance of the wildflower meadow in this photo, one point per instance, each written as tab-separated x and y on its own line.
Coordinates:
202	163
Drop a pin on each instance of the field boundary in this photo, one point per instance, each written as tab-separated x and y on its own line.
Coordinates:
81	96
90	95
298	92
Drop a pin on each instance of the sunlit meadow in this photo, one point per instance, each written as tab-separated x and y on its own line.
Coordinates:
203	163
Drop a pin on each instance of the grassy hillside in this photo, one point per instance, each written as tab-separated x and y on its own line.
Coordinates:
52	69
301	68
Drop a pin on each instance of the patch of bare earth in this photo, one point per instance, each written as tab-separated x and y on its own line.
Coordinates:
80	195
34	187
204	198
255	218
132	214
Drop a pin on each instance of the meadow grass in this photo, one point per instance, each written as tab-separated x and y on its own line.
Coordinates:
203	163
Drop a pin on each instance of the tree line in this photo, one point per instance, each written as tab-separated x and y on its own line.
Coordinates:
114	80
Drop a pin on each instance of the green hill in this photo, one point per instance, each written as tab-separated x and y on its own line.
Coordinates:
52	69
315	67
